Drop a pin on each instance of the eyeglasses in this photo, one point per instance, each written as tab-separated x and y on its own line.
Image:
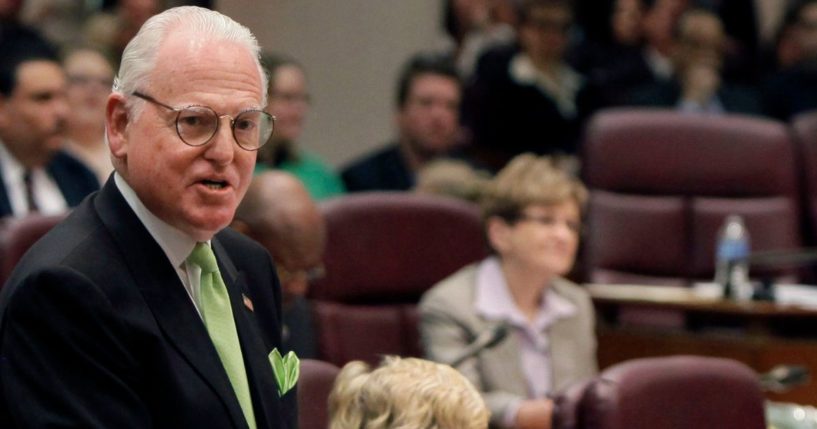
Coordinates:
551	221
196	125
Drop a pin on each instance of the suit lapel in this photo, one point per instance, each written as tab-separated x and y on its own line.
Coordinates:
166	297
263	387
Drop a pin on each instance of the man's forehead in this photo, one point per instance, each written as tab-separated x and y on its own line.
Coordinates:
197	47
431	81
39	75
182	60
27	68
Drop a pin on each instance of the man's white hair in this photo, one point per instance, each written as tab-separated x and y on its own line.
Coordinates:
139	57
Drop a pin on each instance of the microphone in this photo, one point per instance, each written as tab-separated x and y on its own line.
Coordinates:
485	340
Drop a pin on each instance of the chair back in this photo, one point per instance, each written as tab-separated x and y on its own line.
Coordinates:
18	235
677	392
662	182
314	386
804	127
383	251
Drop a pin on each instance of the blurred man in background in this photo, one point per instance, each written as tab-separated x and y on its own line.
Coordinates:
37	176
279	213
428	103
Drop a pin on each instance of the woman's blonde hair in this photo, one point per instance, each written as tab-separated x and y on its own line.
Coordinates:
405	393
528	180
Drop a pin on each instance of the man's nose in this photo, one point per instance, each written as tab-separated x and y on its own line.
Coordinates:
61	108
222	146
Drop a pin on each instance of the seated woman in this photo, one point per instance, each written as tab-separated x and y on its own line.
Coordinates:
289	103
532	216
404	393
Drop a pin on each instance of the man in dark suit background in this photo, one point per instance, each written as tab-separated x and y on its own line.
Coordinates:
793	90
427	118
697	84
36	175
118	318
293	231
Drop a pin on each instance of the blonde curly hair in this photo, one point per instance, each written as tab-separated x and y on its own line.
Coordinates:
405	393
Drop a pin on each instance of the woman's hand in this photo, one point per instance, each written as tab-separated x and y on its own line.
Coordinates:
535	414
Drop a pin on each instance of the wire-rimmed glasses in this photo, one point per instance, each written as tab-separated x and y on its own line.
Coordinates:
196	125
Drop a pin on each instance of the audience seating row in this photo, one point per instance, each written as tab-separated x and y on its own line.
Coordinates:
662	183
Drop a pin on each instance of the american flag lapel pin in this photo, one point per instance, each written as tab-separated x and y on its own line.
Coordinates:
248	302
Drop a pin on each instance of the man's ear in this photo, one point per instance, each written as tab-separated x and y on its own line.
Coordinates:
116	125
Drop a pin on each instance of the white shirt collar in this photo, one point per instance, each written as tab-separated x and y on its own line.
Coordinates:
176	244
659	64
562	89
47	194
494	301
11	167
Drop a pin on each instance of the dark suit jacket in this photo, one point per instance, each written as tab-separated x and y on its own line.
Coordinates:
792	91
507	118
384	170
733	98
74	180
97	331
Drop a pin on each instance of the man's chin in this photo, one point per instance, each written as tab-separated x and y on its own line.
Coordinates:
203	228
433	150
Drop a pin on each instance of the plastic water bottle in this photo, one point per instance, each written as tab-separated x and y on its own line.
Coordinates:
731	267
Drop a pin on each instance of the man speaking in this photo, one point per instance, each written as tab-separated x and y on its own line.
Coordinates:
138	311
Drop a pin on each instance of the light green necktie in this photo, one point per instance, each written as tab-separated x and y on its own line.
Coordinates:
218	317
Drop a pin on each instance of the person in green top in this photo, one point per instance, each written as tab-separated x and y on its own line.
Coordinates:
289	103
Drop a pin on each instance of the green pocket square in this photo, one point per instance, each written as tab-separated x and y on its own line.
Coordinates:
286	369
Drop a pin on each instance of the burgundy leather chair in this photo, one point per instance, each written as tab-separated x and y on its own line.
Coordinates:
804	127
17	235
383	251
314	385
677	392
662	182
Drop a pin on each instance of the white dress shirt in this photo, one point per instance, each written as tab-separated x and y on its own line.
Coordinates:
47	195
176	245
561	88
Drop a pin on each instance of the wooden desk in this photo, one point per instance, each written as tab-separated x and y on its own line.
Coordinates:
759	334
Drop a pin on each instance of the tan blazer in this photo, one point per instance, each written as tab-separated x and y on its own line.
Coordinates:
448	322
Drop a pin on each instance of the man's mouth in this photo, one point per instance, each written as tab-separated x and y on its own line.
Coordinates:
214	184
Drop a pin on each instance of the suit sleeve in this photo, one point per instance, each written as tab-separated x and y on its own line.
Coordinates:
64	358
